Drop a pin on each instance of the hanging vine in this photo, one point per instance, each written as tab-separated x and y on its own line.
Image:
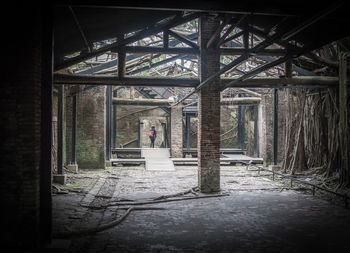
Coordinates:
311	134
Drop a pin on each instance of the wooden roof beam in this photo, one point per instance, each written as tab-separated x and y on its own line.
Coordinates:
125	81
182	39
310	81
140	35
229	30
284	82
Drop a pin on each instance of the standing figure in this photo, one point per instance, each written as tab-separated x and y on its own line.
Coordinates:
152	136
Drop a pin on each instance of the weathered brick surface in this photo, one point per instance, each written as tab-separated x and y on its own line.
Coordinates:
20	142
176	131
208	111
90	138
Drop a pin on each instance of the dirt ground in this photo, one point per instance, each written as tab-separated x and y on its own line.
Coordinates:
255	215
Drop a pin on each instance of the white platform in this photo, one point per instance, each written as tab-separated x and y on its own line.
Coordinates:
157	159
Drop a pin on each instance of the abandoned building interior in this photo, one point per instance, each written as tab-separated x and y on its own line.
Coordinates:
250	103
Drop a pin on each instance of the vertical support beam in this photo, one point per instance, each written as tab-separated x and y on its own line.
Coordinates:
139	134
114	119
45	213
188	132
275	126
121	63
74	129
132	92
344	119
164	144
288	68
256	131
208	109
246	39
60	119
165	39
108	123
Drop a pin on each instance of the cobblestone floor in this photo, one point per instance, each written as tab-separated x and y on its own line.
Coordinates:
259	215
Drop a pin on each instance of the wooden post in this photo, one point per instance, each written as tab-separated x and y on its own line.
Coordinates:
165	39
121	59
139	134
246	39
132	92
288	68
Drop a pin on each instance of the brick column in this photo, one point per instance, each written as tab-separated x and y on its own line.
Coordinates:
21	132
91	139
208	111
176	131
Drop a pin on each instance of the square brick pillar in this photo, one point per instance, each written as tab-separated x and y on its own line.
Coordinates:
208	110
91	130
176	131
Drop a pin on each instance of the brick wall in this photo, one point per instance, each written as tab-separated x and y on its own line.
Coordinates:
208	111
176	131
90	138
20	130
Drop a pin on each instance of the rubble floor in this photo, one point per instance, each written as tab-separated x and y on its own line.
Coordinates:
259	215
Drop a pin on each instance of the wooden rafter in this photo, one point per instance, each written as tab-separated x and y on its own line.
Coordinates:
161	50
139	35
213	38
183	39
229	30
261	46
310	81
